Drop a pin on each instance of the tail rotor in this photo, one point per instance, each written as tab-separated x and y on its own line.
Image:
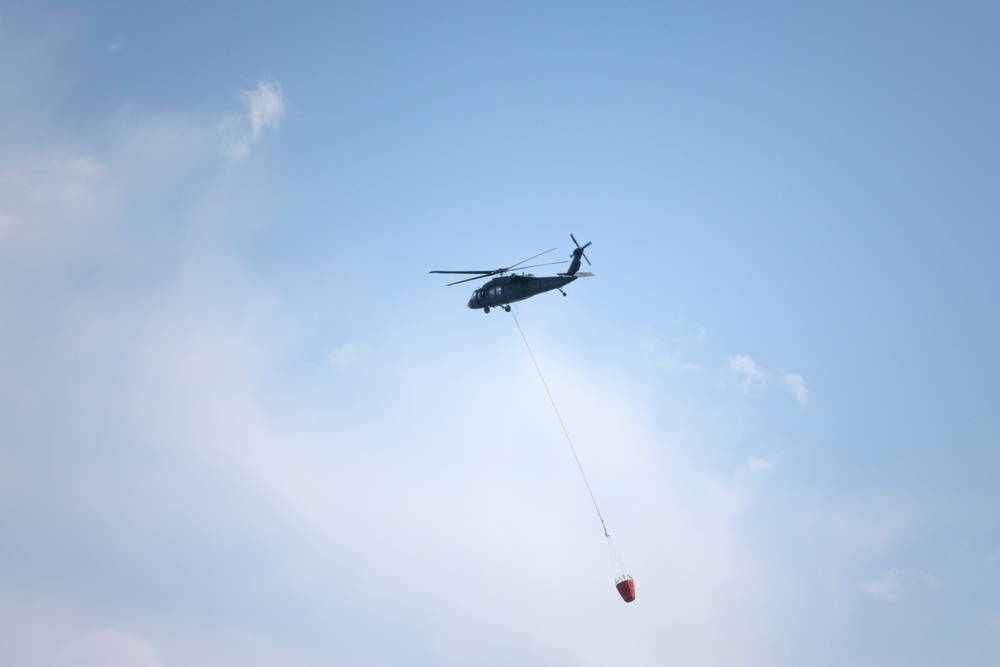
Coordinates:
576	255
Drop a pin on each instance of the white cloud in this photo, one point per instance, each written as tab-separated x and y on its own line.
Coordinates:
348	355
797	385
106	648
265	107
756	465
891	585
205	487
265	104
114	47
674	362
753	376
54	206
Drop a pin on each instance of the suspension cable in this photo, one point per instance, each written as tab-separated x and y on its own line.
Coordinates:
565	432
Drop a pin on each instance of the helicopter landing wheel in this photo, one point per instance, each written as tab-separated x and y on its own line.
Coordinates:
507	308
486	309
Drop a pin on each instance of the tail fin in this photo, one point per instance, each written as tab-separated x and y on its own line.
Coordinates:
574	266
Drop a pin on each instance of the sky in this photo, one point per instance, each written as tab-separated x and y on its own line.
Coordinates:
241	425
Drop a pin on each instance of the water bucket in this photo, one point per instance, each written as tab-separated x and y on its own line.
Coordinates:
626	588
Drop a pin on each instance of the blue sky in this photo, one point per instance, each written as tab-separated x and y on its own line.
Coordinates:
241	425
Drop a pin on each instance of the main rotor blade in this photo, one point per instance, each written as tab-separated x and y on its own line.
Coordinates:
468	279
480	272
478	275
503	270
514	266
532	266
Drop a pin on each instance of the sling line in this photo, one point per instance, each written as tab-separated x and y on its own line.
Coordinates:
565	432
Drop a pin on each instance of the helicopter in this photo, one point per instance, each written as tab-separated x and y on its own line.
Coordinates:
506	289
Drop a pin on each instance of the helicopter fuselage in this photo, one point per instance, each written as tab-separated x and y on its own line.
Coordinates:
505	290
506	287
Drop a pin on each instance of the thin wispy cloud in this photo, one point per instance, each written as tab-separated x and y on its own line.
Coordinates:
797	386
674	362
348	355
757	465
682	342
114	47
754	377
265	107
894	583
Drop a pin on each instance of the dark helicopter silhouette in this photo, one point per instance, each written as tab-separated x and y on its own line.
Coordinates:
505	290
